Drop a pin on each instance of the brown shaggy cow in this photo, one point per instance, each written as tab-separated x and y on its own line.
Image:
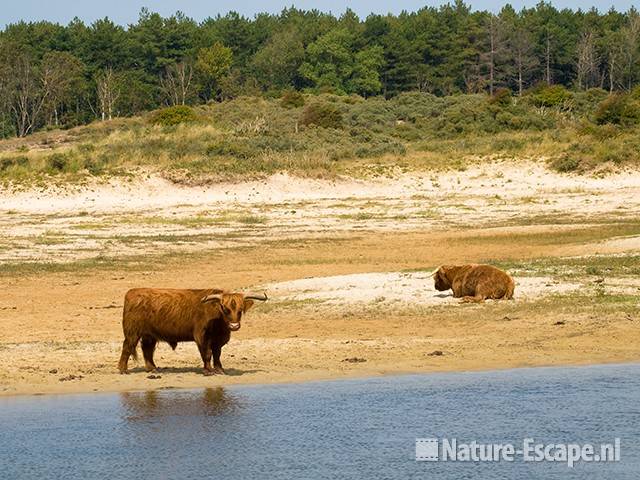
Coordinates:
474	283
205	316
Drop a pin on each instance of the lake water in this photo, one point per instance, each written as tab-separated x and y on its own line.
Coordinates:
338	429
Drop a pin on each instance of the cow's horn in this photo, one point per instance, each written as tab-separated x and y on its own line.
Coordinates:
431	274
213	296
254	296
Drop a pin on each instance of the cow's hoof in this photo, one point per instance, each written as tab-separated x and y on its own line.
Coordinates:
219	371
208	373
124	372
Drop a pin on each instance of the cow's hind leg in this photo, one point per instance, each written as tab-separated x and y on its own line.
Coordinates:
128	350
148	347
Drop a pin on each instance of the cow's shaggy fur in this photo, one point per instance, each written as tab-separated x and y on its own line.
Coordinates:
151	315
474	283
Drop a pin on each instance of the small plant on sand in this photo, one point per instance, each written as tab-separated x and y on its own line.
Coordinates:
566	163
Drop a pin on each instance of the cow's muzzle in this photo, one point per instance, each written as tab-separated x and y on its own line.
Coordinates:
234	326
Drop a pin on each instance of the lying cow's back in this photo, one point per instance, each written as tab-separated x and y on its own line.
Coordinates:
475	275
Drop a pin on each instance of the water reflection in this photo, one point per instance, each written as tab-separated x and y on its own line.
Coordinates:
158	404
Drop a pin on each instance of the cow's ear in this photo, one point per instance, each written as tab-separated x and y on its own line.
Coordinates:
247	305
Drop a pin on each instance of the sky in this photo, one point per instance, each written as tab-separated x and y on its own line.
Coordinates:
126	12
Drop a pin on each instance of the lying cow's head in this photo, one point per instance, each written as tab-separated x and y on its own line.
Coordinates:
441	279
233	305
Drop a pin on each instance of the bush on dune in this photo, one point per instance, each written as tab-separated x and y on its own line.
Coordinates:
171	116
618	109
321	115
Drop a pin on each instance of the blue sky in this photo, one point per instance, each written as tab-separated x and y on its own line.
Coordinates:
126	11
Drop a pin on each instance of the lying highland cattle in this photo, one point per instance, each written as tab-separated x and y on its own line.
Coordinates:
206	317
474	283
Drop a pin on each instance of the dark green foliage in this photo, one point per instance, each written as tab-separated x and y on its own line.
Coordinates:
442	51
565	164
618	109
321	115
95	166
18	161
292	99
58	162
501	97
171	116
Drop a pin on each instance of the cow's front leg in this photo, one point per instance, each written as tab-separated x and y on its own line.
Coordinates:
217	365
205	352
475	299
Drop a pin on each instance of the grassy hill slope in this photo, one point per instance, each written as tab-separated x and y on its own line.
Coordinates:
330	135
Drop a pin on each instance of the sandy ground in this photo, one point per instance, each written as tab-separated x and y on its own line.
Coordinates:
345	264
114	219
383	287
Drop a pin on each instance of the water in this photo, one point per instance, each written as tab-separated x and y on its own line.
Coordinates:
340	429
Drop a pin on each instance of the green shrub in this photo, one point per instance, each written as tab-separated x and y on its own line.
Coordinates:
617	109
225	148
378	149
551	96
509	121
58	162
7	128
501	97
322	115
94	166
173	116
595	94
292	99
566	163
599	132
8	162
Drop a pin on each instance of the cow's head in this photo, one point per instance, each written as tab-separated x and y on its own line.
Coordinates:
233	305
441	278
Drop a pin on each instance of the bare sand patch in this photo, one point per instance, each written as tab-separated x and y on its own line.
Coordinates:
149	213
390	287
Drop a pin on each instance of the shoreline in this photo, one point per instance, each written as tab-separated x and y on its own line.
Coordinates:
309	379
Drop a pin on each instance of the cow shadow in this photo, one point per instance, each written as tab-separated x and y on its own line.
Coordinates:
443	295
230	372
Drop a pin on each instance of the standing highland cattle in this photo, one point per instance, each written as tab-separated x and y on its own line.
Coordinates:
474	283
206	317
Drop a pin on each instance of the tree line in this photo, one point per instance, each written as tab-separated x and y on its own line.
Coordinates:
60	76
